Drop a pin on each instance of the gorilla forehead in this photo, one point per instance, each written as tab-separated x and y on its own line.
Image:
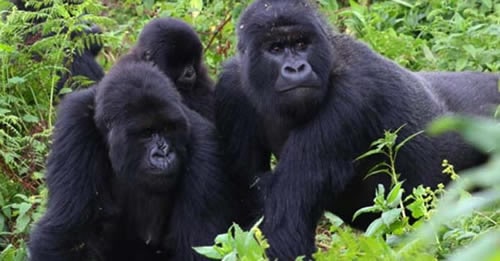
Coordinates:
266	17
171	34
136	88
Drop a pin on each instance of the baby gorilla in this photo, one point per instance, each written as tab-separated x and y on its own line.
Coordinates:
133	174
175	48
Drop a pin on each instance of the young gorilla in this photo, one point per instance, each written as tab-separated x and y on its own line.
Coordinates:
175	48
133	174
317	100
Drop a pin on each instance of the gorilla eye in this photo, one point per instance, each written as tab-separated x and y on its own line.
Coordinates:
170	128
276	48
300	45
146	133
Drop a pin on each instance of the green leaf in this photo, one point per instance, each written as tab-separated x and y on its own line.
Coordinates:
375	227
30	118
402	143
404	3
370	209
6	48
333	219
209	252
4	111
484	133
197	6
16	80
148	4
395	195
391	216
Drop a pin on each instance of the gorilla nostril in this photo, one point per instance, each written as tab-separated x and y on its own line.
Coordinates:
289	69
188	74
160	152
302	67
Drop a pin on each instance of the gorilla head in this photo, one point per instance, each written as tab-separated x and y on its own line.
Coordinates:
287	51
147	133
174	47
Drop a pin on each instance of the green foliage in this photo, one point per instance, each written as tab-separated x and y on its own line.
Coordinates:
427	35
34	45
470	229
237	244
450	35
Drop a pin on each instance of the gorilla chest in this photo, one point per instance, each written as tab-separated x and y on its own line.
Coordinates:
276	136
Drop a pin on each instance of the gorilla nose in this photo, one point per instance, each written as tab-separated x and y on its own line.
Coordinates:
296	72
160	152
188	76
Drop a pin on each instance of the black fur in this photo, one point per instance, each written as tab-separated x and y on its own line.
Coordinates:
109	198
175	48
317	130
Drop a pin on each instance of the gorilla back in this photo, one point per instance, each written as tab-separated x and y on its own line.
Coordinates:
317	100
133	174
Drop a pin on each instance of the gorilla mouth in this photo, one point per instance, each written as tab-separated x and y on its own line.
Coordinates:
164	165
288	88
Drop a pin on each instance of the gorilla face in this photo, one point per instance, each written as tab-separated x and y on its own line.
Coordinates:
285	61
175	48
147	132
150	148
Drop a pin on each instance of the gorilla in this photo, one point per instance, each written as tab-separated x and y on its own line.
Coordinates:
175	48
78	64
83	64
317	100
133	174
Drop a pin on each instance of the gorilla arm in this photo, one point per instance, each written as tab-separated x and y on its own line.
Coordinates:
76	166
209	210
245	158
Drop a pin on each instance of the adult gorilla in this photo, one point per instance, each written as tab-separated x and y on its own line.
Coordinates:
317	100
133	174
176	49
